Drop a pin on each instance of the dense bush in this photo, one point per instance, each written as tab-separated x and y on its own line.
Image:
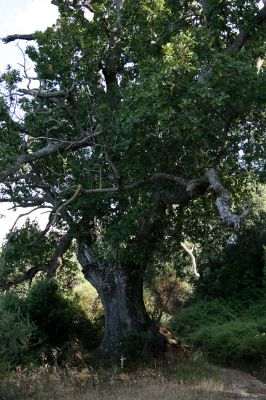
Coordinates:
201	313
232	334
134	346
60	320
17	331
45	324
242	341
239	271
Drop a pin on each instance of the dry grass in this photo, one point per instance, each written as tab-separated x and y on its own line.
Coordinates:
46	383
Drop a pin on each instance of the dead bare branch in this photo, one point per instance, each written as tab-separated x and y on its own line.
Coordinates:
193	259
23	215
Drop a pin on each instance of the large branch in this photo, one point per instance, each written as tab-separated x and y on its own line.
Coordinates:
241	39
223	201
245	34
57	258
53	147
12	38
45	94
138	184
119	5
185	192
50	268
114	168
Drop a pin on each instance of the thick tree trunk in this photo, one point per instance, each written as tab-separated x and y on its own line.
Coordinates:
121	292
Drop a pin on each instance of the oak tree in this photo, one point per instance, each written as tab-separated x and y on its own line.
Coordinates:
138	112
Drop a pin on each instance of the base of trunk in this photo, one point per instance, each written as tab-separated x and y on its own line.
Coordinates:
128	330
155	343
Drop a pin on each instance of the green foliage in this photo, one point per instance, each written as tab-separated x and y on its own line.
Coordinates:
231	334
233	343
28	247
11	77
46	325
17	331
203	312
135	345
59	320
238	271
24	248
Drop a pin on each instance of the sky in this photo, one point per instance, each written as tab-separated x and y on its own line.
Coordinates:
20	16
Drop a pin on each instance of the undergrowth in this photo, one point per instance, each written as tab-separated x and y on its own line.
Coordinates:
231	334
193	380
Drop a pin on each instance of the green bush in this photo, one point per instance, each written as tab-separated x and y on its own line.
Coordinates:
202	313
17	331
233	343
46	325
60	320
239	271
134	345
233	334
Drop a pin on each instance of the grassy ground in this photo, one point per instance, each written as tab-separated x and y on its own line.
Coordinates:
193	380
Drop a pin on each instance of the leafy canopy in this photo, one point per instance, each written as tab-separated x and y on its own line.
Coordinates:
127	90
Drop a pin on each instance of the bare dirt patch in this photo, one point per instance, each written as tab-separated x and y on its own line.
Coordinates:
245	385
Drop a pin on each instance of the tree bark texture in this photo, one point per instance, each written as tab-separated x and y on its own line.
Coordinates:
120	289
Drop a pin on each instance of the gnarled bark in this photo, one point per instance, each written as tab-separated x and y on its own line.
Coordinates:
120	289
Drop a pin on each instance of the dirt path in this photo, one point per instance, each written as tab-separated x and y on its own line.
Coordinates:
244	385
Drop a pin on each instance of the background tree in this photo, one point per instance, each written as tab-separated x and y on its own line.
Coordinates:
136	113
235	270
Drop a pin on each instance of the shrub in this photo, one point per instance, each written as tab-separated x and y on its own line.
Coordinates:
232	334
17	331
239	271
134	345
60	320
202	313
233	343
